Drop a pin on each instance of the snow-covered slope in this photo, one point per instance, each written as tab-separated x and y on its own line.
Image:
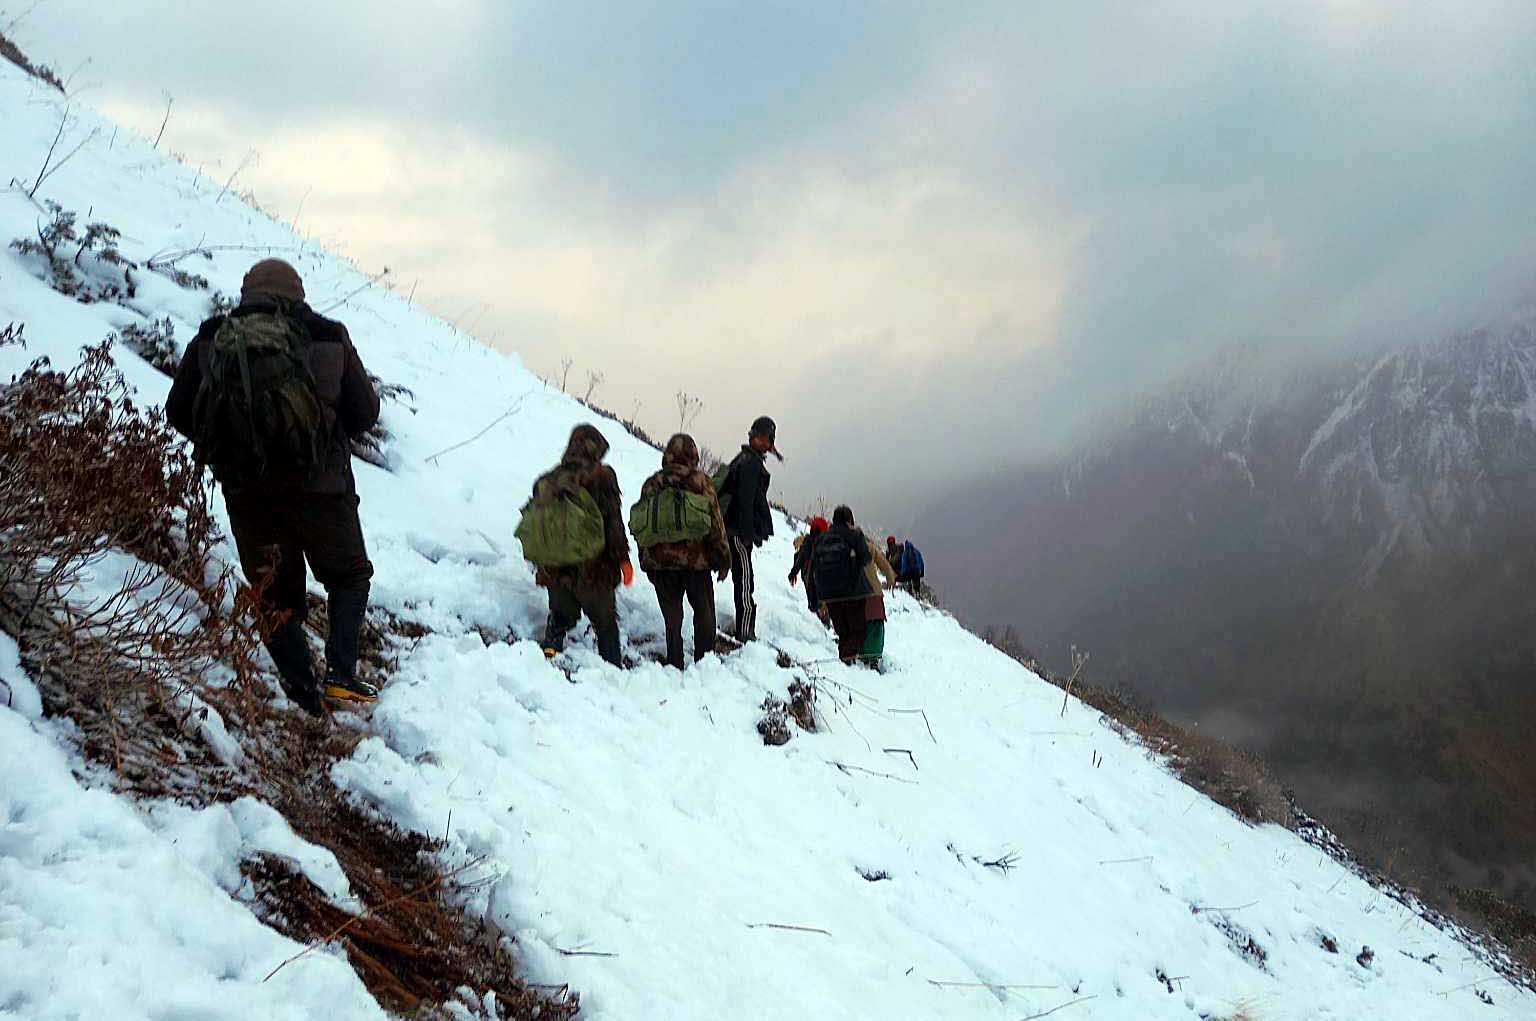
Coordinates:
651	851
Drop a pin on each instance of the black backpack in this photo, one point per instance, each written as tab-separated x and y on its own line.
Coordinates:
835	566
257	413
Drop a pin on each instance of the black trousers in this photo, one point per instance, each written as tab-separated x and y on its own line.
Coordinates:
277	534
851	623
745	586
568	601
699	588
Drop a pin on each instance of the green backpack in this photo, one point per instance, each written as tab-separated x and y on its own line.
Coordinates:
671	515
721	480
257	413
561	524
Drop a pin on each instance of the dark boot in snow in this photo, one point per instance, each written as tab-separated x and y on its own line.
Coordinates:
349	689
347	610
295	670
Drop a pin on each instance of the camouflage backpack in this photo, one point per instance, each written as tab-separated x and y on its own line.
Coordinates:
561	524
257	413
671	514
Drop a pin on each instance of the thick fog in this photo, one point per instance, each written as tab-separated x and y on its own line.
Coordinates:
929	239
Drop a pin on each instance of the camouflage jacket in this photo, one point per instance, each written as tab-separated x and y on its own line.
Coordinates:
680	470
583	461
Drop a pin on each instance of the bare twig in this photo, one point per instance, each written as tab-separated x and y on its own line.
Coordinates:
583	953
50	166
902	751
294	225
169	102
688	408
1199	910
380	275
1064	1006
594	380
514	409
846	768
787	928
924	715
1125	861
1004	864
1077	668
250	159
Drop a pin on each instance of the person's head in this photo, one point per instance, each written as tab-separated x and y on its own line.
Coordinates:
682	454
586	445
272	280
819	525
890	542
843	516
763	437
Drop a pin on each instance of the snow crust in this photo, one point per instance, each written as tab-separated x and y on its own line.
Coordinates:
646	847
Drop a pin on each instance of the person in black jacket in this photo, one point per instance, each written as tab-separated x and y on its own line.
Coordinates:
837	568
282	519
748	521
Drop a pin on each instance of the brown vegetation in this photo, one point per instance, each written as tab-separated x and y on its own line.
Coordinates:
10	51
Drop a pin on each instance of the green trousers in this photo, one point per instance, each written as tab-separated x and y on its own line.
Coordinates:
874	643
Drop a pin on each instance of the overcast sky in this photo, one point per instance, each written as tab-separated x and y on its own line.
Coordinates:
929	238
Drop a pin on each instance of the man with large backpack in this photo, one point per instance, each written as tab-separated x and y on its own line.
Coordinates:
271	396
742	485
572	530
681	534
837	568
908	561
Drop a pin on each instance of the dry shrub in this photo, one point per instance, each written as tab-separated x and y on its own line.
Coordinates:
42	72
1509	923
85	477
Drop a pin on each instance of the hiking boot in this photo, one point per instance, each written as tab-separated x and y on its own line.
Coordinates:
550	652
344	689
289	650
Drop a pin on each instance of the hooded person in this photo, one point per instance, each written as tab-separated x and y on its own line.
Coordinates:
877	569
908	561
289	491
837	568
587	586
748	519
805	548
678	564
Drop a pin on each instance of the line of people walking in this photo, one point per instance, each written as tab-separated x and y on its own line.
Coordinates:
272	395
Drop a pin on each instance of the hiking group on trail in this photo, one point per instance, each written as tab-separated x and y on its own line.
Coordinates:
272	396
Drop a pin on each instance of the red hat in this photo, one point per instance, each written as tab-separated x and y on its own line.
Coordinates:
819	524
890	540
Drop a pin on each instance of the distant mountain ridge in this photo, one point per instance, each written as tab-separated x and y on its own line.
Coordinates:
1332	562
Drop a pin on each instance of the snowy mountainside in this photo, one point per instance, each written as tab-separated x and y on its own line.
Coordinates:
649	849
